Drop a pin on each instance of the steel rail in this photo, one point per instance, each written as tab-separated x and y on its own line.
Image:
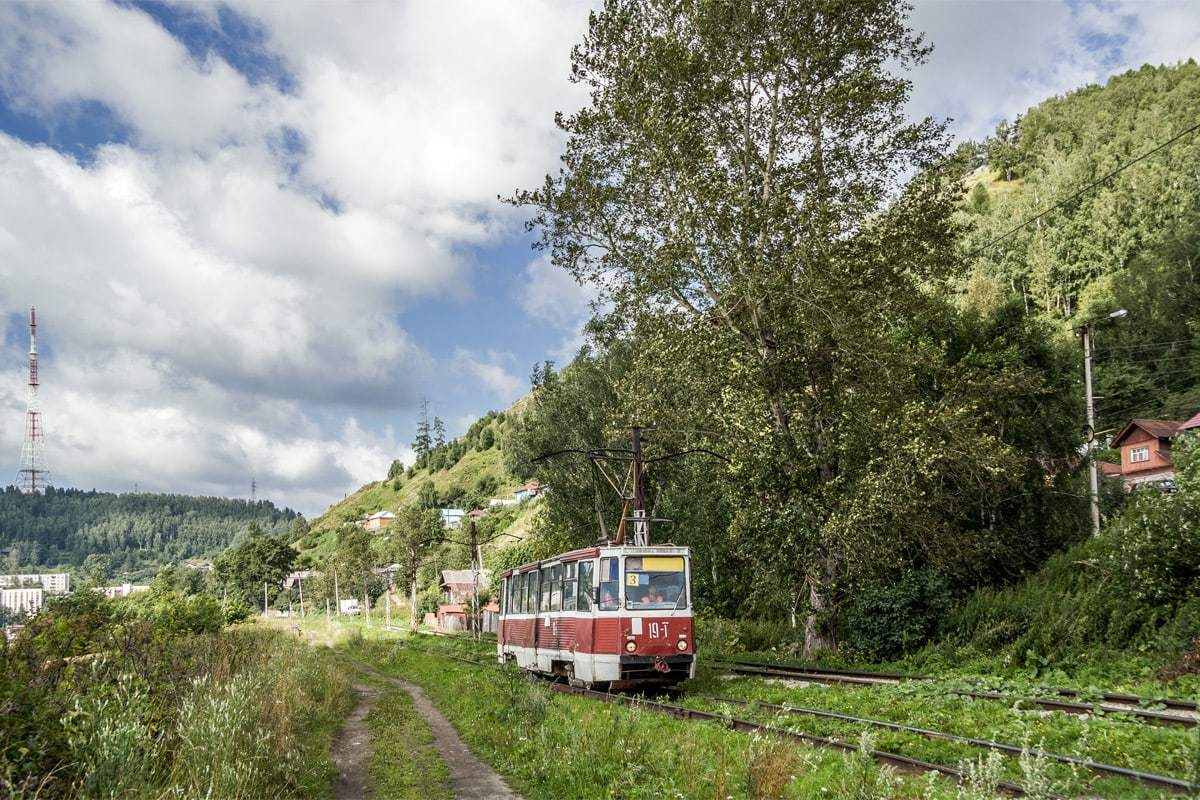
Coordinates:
1071	707
1108	697
1149	778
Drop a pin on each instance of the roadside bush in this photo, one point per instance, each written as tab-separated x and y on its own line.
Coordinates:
887	621
1155	543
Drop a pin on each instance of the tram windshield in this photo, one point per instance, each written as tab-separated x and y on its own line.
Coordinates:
655	582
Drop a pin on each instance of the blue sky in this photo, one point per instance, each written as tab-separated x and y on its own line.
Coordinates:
258	233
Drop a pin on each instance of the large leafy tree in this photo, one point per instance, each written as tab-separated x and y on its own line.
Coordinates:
739	171
259	559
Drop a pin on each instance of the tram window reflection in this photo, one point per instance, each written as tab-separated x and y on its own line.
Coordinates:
556	588
568	592
610	584
586	568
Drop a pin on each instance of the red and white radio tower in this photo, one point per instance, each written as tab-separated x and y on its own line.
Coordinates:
33	475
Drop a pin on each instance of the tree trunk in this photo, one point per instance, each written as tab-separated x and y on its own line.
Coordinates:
815	638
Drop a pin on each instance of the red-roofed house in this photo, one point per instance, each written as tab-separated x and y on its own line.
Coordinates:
1146	449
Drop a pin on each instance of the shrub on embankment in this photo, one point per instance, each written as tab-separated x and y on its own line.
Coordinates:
96	702
1134	591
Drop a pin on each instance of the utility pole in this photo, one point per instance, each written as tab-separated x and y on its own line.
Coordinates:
1093	480
337	595
1085	330
328	620
412	600
300	580
641	532
476	622
264	599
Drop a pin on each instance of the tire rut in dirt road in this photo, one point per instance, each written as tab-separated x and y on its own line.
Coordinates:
352	750
471	778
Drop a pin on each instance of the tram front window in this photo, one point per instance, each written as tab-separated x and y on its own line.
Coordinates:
655	582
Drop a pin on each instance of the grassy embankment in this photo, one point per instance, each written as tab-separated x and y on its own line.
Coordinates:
96	705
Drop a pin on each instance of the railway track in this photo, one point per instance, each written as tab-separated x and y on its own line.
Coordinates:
1185	712
900	762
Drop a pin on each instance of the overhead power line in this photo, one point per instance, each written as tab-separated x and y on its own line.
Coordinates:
1085	189
1143	346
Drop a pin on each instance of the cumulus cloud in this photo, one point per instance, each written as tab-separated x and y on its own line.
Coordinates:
993	60
491	372
250	244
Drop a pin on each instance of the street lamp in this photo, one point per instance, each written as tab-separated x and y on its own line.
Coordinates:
1085	330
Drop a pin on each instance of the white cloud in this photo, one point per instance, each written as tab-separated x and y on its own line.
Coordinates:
993	59
489	370
221	292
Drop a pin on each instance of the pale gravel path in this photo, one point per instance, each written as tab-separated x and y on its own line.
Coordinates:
470	778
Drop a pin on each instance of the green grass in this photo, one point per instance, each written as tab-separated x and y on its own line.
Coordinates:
549	745
1118	740
405	764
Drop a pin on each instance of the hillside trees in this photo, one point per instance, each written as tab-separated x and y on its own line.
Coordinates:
139	532
1132	242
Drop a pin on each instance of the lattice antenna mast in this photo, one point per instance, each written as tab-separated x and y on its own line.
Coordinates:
33	476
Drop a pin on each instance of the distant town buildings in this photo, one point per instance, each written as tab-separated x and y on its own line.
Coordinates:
122	590
52	582
23	602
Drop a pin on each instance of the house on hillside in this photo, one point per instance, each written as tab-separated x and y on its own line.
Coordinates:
499	502
1145	446
528	491
377	521
297	578
476	514
458	591
451	517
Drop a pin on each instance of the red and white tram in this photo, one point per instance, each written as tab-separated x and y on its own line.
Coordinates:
616	616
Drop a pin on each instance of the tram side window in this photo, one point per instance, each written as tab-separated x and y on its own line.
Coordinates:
610	585
545	603
522	590
569	581
586	568
556	588
530	590
504	595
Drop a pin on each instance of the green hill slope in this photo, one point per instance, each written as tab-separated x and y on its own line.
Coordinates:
464	473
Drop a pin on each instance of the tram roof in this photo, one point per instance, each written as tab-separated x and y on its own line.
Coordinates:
605	549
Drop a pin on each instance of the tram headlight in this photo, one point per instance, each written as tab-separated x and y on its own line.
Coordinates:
682	645
630	646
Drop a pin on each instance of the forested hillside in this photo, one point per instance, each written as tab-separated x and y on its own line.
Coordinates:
1130	243
138	531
